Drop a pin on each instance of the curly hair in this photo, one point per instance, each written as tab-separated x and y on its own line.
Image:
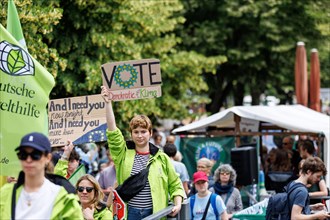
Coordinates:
140	121
228	169
314	164
99	195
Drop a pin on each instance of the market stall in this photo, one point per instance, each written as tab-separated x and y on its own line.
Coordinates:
262	120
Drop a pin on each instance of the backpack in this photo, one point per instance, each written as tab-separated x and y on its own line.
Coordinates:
279	206
213	203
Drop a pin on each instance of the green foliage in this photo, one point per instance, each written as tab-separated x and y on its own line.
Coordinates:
73	38
259	39
38	18
222	48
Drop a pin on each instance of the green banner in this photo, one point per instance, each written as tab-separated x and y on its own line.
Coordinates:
24	93
216	149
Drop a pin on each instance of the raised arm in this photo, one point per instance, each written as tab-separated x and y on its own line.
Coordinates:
61	168
111	122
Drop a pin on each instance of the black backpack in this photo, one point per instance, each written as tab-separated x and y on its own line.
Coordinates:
279	206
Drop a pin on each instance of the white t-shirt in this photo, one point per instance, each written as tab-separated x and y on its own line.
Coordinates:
200	205
37	205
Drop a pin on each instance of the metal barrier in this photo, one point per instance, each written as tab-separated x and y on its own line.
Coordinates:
184	213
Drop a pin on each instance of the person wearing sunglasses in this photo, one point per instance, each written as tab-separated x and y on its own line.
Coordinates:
91	199
225	180
162	183
34	196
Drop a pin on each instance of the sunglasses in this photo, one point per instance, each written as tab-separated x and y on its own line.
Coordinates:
224	173
88	189
35	155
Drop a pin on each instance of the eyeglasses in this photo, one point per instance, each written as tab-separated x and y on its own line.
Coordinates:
88	189
224	173
285	143
35	155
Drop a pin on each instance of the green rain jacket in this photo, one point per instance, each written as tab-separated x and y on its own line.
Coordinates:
61	169
164	182
66	206
102	214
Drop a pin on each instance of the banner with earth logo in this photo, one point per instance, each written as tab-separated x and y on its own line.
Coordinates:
24	93
217	149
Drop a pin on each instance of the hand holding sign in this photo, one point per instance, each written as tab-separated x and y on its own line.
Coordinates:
67	150
105	94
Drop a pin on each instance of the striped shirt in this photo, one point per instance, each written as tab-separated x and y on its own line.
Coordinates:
143	198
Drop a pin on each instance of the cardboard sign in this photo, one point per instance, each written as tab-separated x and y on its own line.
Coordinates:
76	117
118	207
134	79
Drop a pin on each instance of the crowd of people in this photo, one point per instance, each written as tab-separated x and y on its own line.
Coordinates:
297	163
147	176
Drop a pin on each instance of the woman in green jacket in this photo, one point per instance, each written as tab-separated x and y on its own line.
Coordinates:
90	197
133	156
35	196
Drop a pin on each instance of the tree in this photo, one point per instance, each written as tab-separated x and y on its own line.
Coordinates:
38	20
258	38
90	33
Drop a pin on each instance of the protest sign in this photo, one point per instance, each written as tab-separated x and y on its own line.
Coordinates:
134	79
24	92
76	117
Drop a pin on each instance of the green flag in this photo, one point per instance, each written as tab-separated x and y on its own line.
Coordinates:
14	24
217	149
24	93
79	172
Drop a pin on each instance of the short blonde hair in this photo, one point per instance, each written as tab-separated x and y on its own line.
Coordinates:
140	121
207	162
98	194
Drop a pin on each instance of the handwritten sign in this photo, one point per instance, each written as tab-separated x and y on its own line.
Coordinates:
72	118
134	79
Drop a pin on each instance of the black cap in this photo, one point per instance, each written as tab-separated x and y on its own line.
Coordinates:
35	140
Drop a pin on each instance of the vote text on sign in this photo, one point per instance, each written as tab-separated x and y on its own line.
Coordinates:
134	79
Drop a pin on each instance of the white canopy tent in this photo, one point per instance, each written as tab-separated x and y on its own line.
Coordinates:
295	118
